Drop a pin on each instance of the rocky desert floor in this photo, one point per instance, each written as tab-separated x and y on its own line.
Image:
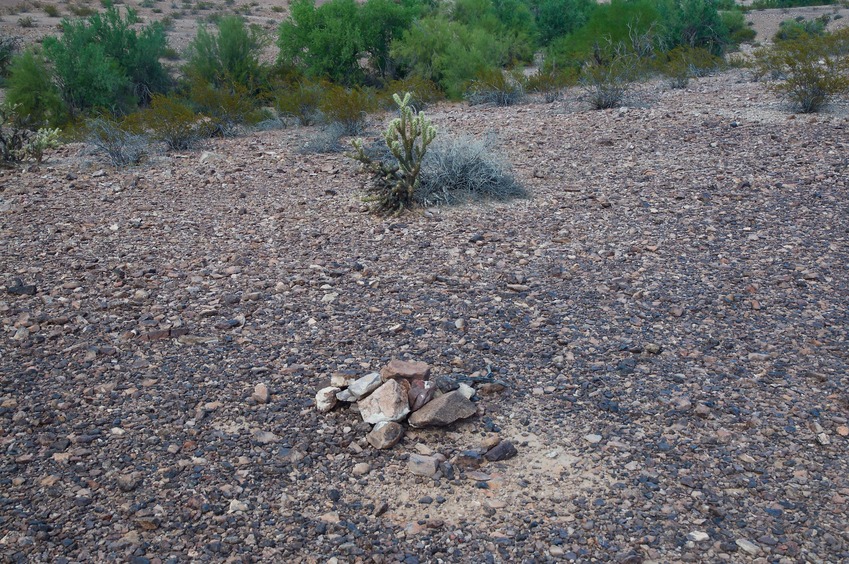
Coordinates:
668	311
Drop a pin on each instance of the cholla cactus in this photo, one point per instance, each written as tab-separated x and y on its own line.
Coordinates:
45	138
407	138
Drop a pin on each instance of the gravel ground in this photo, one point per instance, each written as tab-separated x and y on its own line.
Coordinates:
668	309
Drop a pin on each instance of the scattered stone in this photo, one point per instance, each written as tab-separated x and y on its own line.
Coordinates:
361	469
444	410
593	438
410	370
467	460
466	390
260	394
128	482
265	437
387	403
325	399
653	348
698	536
18	288
381	508
490	441
492	388
236	505
385	435
843	431
446	384
748	546
422	465
702	410
501	451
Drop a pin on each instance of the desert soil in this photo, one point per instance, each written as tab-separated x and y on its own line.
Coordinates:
669	309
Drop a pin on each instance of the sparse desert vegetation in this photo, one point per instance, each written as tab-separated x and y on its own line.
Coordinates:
622	234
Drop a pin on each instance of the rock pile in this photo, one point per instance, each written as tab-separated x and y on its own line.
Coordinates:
403	391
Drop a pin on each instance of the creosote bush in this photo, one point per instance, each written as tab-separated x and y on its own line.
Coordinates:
348	107
494	86
120	144
458	170
407	137
606	82
300	101
810	71
175	123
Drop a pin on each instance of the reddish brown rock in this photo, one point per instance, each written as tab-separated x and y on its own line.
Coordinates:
385	435
407	369
421	392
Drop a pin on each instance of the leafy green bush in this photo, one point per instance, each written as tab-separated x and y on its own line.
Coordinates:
348	107
811	70
381	22
300	101
31	91
230	56
799	28
558	18
620	22
448	53
695	23
458	170
494	86
324	41
120	144
104	62
407	137
738	30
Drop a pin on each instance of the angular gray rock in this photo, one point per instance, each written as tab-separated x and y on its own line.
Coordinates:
365	385
444	410
422	465
386	403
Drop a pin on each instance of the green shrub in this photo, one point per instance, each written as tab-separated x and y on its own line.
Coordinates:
348	107
620	22
811	70
448	53
738	30
26	22
300	101
228	57
497	87
52	11
31	91
381	22
697	24
799	28
325	41
458	170
558	18
104	62
407	137
120	144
